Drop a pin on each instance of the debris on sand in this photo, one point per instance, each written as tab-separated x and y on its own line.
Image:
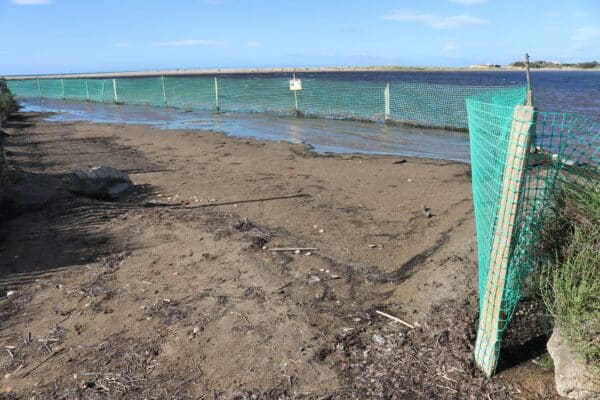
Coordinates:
426	211
103	182
433	361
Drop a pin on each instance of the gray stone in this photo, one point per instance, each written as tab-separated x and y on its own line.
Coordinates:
100	182
573	379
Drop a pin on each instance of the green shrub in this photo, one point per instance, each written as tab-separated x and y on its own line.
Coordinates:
7	101
570	280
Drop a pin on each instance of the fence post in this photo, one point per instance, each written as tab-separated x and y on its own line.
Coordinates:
103	86
296	111
115	90
492	318
217	94
62	84
39	88
87	91
164	90
386	99
296	103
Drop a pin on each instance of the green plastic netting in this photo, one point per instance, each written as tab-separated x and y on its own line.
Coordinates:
412	103
519	156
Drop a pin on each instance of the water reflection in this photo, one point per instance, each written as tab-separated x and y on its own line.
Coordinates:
323	135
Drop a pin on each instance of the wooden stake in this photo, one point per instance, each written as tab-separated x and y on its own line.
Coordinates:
528	75
217	105
295	98
386	99
491	319
115	90
164	90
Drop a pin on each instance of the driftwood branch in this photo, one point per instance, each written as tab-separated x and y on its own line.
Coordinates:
43	361
292	249
395	319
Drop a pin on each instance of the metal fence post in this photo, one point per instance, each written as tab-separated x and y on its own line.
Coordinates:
386	99
115	90
39	88
217	94
164	90
87	91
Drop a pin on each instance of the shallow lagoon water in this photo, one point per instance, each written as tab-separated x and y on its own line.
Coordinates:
572	91
323	135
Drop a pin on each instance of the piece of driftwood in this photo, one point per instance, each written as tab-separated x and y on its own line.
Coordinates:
42	362
292	249
394	319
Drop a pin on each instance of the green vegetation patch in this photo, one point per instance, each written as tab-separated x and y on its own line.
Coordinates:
548	64
7	101
570	279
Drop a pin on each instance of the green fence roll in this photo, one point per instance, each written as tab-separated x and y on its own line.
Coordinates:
519	157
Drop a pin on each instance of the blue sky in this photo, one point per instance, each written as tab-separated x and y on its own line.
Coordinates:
52	36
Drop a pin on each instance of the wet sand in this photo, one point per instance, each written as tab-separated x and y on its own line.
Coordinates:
322	134
173	292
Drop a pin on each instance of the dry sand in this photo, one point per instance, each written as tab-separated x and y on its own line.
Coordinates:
169	293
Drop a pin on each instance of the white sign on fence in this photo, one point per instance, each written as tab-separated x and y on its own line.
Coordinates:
295	84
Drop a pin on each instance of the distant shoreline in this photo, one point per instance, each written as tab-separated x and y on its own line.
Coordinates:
289	70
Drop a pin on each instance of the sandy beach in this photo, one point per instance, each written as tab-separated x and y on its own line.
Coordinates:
174	292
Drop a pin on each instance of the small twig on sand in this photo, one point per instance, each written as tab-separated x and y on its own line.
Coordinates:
243	316
395	319
289	379
227	203
184	383
48	348
42	362
292	249
9	348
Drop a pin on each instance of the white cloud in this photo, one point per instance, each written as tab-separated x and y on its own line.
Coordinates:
449	44
31	2
585	37
189	42
254	44
436	21
469	1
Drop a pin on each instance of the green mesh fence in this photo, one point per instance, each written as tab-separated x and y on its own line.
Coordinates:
412	103
519	157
